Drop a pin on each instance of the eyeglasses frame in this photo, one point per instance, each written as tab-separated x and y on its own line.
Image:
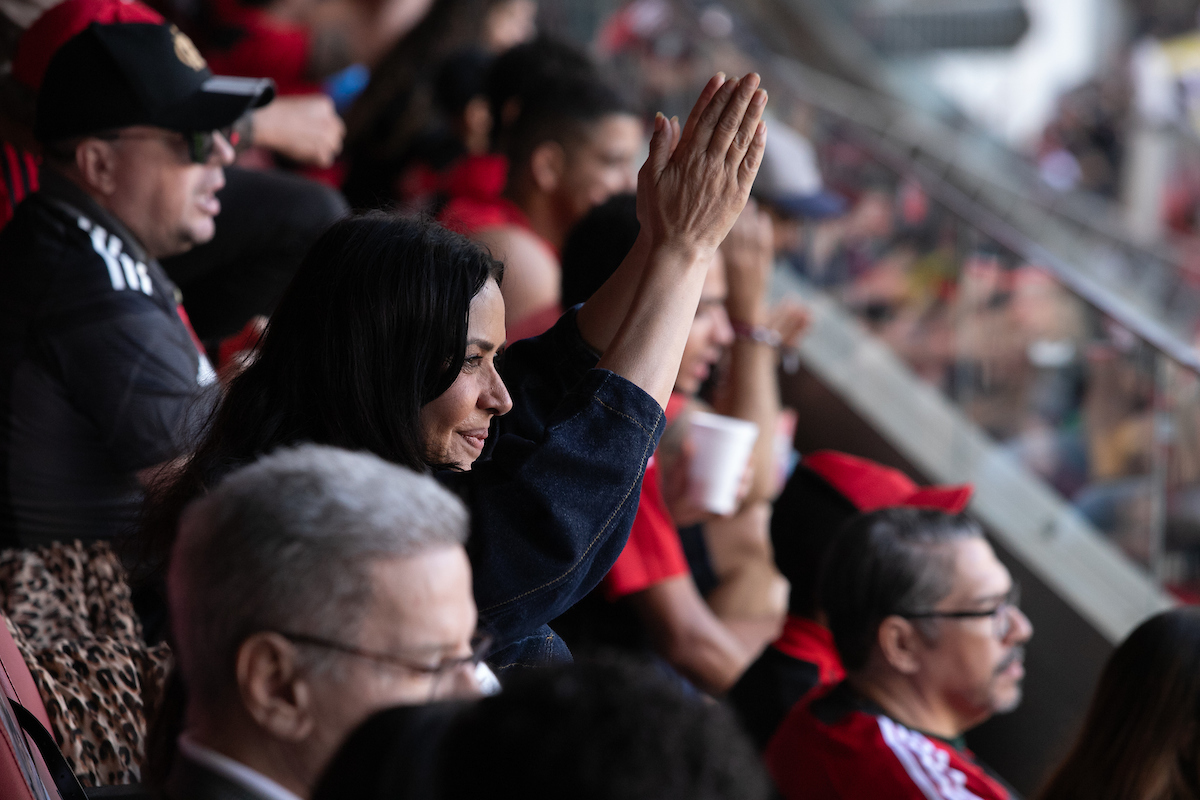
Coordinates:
1011	602
200	144
481	644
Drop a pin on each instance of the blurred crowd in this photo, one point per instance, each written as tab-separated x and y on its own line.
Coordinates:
366	363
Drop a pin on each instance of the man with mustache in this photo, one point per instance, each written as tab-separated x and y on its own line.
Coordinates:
926	621
825	491
100	373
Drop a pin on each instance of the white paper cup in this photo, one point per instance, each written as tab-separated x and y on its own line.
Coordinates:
721	450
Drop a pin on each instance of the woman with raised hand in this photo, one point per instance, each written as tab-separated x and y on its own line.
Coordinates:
388	340
1141	735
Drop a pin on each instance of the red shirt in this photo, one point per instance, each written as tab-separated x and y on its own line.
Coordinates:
18	179
840	747
806	640
474	186
654	552
266	48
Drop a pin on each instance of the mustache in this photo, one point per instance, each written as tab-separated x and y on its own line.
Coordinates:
1015	654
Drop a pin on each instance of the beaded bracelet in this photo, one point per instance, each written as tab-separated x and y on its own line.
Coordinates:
757	333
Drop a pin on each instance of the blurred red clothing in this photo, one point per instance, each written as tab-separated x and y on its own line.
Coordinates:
19	173
839	746
806	640
654	552
262	46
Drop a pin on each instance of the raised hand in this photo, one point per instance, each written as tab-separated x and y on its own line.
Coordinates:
697	179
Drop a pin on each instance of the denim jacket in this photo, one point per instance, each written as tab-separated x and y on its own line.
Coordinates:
554	496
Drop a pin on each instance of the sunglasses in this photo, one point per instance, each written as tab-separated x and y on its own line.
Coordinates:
200	144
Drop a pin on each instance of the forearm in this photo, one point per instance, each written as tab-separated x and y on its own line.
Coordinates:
648	345
750	391
689	636
601	316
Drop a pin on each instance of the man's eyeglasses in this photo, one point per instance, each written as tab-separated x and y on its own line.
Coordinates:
200	144
481	645
1001	613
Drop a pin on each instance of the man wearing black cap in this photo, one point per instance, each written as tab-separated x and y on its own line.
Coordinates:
100	376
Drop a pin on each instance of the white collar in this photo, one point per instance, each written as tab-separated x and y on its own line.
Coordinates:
233	770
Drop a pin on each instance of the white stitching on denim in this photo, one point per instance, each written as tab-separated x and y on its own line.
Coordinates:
603	527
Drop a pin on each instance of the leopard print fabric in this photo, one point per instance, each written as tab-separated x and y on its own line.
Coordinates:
68	607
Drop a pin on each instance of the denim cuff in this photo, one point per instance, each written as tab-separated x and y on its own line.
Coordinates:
622	397
551	516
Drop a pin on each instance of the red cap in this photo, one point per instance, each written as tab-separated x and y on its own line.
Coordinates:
870	486
64	21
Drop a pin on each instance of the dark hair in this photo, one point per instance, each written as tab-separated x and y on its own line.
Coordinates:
891	561
390	756
598	731
516	74
804	521
561	109
459	79
1140	736
372	327
596	246
397	106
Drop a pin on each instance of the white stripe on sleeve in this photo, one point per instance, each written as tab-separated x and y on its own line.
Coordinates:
926	764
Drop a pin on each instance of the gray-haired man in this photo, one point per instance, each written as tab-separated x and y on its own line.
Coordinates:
308	590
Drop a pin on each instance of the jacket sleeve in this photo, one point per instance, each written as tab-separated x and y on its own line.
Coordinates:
550	512
539	372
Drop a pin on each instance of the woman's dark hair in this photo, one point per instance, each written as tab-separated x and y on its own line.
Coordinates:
891	561
596	246
1139	739
372	327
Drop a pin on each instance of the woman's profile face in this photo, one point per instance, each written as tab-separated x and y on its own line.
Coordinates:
454	425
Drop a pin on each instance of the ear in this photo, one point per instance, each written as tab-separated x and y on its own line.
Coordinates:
477	123
96	161
273	690
546	164
900	644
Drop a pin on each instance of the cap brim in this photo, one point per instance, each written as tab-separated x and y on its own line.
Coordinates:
948	498
219	102
821	205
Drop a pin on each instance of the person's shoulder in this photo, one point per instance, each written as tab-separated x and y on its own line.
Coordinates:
934	769
35	220
827	747
834	740
38	242
59	265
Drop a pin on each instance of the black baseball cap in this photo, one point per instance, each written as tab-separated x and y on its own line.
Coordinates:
113	76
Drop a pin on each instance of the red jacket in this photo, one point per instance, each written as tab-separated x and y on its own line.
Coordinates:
839	746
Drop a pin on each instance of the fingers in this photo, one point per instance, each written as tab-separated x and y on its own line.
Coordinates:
732	117
748	169
702	133
706	95
745	135
660	147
